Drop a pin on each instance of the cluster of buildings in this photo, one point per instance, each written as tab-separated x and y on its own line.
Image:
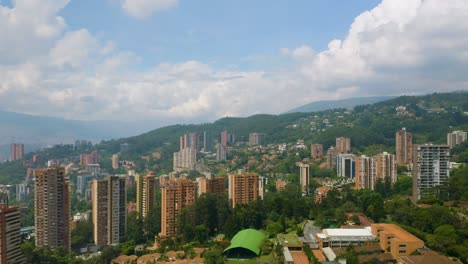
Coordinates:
191	145
382	241
429	163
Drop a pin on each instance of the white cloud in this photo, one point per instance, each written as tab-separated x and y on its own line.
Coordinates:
28	28
396	47
145	8
303	53
74	49
393	49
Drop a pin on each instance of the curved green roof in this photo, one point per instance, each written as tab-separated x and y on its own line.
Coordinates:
250	239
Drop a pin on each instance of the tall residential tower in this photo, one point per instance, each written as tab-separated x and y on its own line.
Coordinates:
52	208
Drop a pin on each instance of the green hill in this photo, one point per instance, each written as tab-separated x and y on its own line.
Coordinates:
370	127
429	117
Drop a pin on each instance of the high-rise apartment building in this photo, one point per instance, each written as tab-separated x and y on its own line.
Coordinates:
175	196
16	151
455	138
193	141
331	157
404	147
430	169
185	159
316	151
224	138
207	141
221	153
146	193
343	145
91	158
345	165
109	197
213	185
256	139
10	235
244	188
115	161
366	172
304	177
386	167
52	208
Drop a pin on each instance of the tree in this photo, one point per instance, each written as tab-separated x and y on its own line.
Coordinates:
214	255
82	233
351	255
134	228
274	228
444	236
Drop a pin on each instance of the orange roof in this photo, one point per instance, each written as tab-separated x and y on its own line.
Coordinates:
148	257
319	255
398	232
299	257
124	259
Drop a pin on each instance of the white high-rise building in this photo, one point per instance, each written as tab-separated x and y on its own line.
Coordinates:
431	168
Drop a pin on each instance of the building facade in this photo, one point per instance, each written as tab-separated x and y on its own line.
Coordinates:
175	196
115	161
431	168
386	167
185	159
331	158
316	151
256	139
343	145
345	165
404	147
146	187
52	208
304	177
16	151
109	198
10	235
455	138
244	188
221	153
395	240
91	158
214	185
366	172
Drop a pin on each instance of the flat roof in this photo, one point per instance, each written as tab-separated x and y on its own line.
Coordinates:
398	232
345	232
319	255
299	257
328	252
289	240
287	255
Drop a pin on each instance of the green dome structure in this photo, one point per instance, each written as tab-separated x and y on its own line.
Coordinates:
245	244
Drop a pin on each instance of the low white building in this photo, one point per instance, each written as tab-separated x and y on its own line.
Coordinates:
343	237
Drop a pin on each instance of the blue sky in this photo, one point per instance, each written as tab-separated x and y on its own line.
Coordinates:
187	61
243	33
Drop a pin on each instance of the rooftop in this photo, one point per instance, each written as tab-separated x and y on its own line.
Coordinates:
289	239
345	232
398	232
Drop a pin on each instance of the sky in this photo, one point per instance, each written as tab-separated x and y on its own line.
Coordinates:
186	61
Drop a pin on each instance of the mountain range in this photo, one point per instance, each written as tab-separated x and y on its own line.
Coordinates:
348	103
